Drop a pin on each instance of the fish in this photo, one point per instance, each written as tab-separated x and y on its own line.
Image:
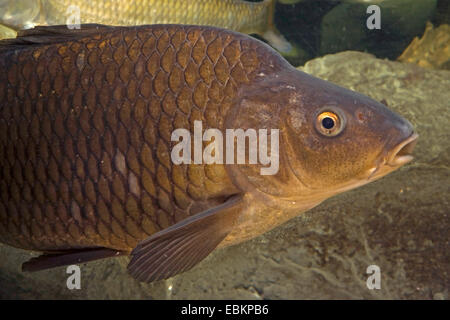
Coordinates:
16	15
19	14
6	32
87	118
242	16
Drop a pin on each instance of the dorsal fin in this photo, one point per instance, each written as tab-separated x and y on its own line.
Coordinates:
45	35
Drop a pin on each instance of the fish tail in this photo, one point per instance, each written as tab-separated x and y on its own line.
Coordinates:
271	34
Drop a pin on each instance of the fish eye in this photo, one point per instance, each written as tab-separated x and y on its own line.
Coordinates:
329	123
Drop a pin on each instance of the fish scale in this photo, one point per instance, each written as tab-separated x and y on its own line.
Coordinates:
85	133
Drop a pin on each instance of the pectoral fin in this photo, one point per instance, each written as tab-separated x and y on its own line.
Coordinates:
183	245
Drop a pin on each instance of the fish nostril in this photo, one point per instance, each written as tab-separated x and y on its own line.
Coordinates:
360	116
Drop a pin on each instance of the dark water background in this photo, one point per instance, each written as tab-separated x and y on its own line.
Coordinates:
321	27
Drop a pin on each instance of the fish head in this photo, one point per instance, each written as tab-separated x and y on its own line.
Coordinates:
336	139
331	139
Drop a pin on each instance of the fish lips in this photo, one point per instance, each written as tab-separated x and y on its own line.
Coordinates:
400	155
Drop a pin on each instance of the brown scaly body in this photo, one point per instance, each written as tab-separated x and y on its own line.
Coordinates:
85	130
86	123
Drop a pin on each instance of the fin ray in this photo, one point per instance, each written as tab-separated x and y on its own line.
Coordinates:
180	247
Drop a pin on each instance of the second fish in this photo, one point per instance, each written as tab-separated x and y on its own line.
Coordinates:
242	16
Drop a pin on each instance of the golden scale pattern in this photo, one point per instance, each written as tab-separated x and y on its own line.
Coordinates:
85	129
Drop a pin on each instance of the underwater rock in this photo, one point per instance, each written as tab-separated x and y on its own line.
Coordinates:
430	51
349	33
399	223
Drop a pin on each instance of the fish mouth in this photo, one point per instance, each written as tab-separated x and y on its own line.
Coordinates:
399	156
